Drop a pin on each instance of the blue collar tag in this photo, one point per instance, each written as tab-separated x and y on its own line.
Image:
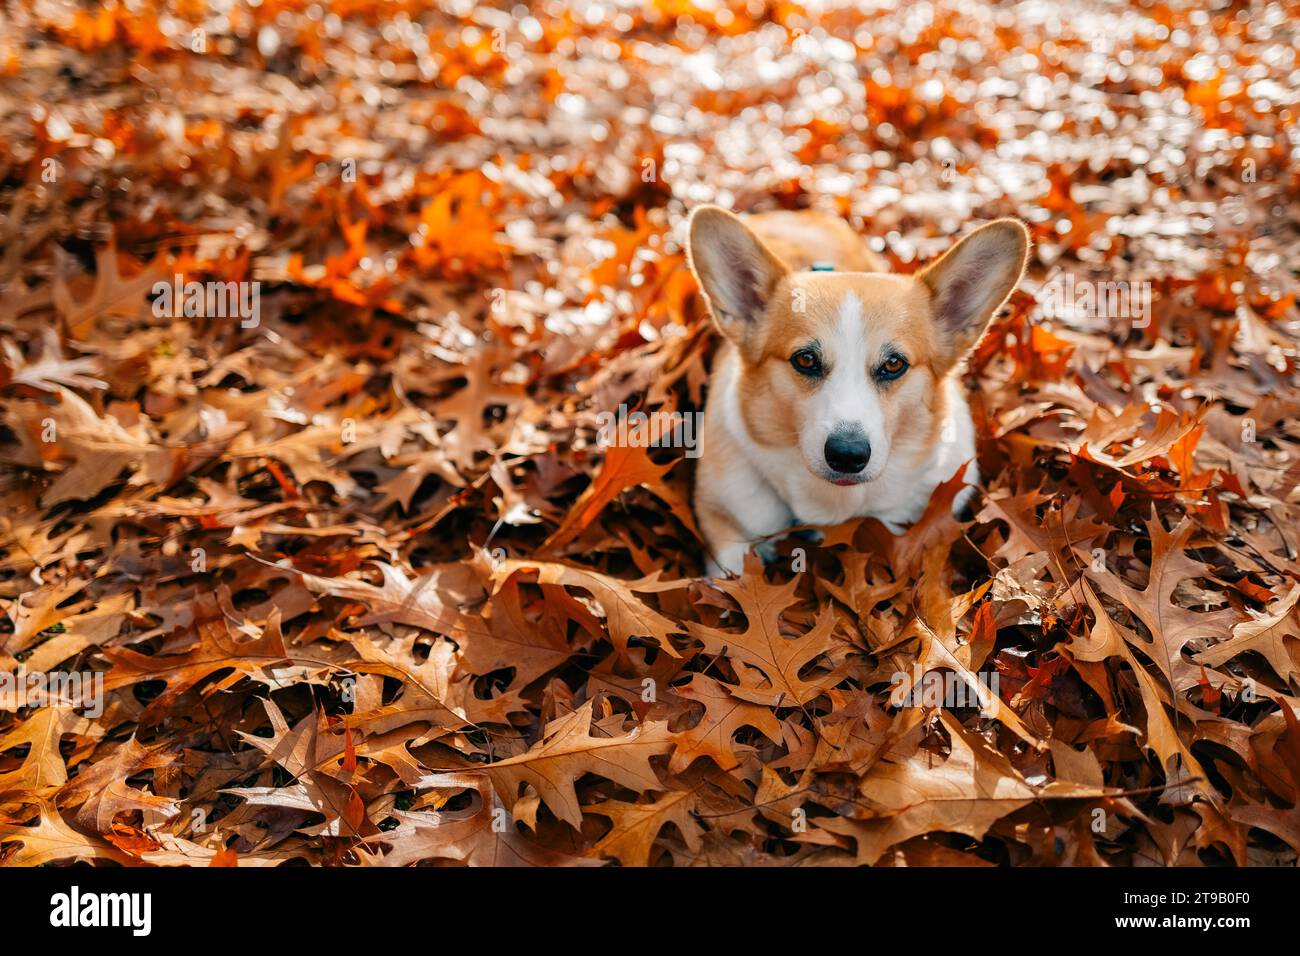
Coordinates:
822	266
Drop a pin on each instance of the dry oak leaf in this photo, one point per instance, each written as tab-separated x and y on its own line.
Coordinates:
305	453
1104	431
1108	639
625	466
468	407
723	716
36	611
968	792
88	629
99	449
178	851
398	599
468	838
102	790
1030	534
323	783
936	655
1171	627
567	750
111	294
344	815
763	647
636	826
1283	824
50	370
216	650
51	840
937	528
471	840
431	693
1273	635
851	740
625	616
504	634
43	767
300	749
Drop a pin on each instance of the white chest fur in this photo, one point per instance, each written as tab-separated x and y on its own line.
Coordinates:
897	496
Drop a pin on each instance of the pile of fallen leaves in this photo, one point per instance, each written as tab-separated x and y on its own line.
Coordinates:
363	588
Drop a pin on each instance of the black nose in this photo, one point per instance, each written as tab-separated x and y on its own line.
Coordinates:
847	454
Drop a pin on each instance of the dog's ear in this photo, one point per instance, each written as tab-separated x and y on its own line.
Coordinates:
972	280
736	271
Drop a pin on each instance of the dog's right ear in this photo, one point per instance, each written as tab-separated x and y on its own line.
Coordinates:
736	271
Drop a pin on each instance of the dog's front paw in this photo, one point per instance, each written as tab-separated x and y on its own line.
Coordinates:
727	561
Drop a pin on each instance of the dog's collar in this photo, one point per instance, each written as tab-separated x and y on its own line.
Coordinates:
822	265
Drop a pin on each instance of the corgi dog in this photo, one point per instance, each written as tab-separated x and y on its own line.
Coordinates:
836	392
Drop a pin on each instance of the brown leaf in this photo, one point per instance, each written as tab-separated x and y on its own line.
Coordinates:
567	750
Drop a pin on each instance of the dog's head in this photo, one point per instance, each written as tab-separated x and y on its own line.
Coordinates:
848	367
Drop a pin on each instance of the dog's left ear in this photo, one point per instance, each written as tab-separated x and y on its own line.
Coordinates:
972	280
736	271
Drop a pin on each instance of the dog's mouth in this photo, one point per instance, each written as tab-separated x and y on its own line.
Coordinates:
844	480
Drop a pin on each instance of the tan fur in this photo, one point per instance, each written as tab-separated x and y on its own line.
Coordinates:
801	239
770	394
760	468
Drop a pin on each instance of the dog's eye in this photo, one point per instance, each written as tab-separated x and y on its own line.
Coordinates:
892	367
806	362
